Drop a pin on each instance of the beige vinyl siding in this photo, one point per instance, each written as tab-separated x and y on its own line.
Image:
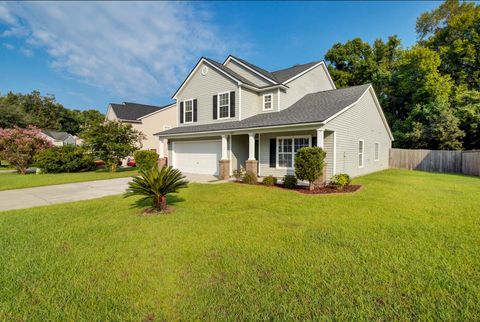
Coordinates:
252	102
202	88
328	147
251	76
264	152
111	114
362	121
315	80
154	123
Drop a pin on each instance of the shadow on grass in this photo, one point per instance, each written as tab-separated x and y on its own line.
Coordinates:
147	204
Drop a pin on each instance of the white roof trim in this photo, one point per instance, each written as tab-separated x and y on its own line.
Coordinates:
157	111
309	69
230	57
240	130
377	104
263	89
203	60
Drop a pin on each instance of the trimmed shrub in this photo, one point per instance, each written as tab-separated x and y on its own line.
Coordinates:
145	159
68	158
239	173
290	181
340	180
269	181
250	177
309	164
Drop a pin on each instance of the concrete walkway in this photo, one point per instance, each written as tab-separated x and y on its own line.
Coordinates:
49	195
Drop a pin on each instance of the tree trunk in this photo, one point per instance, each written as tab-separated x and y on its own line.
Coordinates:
160	203
22	170
311	185
113	167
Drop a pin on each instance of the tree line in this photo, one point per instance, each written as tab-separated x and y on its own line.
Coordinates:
43	112
429	92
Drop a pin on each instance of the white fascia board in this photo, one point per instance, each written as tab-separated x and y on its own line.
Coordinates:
203	60
263	89
263	129
377	104
249	68
158	111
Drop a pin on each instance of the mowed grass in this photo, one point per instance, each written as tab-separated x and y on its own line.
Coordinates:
406	247
16	181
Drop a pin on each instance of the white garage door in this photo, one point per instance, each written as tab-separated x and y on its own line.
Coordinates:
197	156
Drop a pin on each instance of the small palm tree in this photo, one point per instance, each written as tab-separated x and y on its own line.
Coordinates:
154	184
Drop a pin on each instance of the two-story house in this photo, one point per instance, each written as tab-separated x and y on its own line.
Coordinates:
236	114
147	119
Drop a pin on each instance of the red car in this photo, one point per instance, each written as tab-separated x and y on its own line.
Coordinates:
131	163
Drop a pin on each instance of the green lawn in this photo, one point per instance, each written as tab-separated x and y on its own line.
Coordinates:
406	247
17	181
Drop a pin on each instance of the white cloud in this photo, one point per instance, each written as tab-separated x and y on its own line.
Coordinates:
131	49
8	46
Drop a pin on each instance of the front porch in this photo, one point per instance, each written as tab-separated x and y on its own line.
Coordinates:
262	152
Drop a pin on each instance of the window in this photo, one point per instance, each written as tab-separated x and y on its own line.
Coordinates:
377	151
224	105
166	127
287	147
188	111
267	102
360	153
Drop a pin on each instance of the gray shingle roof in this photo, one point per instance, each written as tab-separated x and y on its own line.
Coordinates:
132	111
230	72
314	107
287	73
257	69
57	135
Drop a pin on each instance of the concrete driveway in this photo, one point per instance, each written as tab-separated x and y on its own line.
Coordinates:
49	195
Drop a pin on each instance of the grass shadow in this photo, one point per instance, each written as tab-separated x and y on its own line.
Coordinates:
145	204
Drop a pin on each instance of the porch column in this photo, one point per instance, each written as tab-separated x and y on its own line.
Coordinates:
320	135
224	147
224	163
251	165
162	152
251	146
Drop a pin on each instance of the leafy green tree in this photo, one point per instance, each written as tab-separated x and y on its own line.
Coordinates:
453	30
155	183
67	158
112	141
468	112
434	126
11	116
309	163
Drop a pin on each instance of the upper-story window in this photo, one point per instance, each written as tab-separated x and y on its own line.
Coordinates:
224	105
267	102
188	111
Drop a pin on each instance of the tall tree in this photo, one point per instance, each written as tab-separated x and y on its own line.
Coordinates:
112	141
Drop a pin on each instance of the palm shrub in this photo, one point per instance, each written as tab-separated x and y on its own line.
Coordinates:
145	159
155	183
309	164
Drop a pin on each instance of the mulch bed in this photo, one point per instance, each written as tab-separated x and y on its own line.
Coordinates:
317	191
328	190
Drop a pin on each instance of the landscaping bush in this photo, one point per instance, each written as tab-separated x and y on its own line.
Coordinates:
340	180
309	164
238	174
68	158
145	159
290	181
269	181
250	177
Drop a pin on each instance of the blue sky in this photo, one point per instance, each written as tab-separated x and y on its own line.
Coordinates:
90	54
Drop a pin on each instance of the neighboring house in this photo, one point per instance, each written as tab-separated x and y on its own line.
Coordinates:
236	114
146	118
58	138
